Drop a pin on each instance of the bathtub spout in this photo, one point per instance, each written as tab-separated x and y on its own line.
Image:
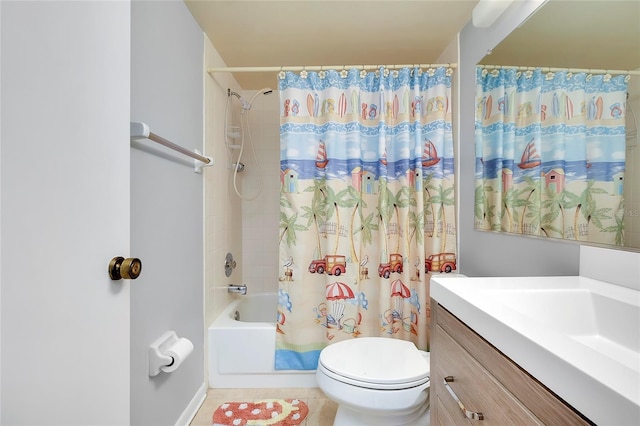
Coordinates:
240	289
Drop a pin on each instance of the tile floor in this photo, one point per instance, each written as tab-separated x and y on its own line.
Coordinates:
321	409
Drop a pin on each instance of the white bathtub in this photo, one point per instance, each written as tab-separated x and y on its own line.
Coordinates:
242	353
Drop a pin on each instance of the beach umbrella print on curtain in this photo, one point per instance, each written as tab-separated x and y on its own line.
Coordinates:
337	292
399	291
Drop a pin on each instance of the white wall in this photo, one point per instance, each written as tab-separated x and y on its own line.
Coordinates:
167	206
64	212
488	253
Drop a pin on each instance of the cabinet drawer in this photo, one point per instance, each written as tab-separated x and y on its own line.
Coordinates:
476	388
540	401
445	418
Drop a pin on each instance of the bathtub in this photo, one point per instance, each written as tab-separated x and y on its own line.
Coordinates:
242	351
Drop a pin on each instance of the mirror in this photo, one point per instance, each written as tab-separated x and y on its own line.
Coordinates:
594	35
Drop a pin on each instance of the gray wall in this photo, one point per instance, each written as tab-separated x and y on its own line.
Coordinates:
166	205
485	253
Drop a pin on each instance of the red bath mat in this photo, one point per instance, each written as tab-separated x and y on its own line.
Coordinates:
266	412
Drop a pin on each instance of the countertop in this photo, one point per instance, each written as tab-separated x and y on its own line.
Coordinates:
539	323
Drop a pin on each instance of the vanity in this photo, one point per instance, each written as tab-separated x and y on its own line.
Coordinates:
534	350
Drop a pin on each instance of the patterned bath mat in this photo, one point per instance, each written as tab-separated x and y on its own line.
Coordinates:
266	412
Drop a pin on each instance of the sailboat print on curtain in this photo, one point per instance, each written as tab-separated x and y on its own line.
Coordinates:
366	198
530	157
321	157
430	154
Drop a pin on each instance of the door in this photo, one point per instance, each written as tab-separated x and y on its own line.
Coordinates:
64	212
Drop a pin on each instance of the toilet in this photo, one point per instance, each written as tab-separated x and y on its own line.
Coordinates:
376	381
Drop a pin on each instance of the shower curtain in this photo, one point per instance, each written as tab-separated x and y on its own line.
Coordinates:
550	154
367	206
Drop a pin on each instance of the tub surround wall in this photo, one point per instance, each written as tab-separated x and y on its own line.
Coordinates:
487	253
223	219
260	217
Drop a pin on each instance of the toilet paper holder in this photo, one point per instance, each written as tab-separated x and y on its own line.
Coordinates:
160	360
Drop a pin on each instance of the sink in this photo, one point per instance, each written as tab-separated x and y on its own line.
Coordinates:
602	323
578	336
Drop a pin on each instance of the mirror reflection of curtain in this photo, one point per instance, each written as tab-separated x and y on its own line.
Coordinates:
550	154
366	202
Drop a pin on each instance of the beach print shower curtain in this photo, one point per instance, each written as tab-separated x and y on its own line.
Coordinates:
367	206
550	154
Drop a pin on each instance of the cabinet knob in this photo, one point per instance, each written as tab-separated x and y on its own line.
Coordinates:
129	268
471	415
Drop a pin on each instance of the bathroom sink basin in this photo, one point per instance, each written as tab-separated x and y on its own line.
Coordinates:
602	323
578	336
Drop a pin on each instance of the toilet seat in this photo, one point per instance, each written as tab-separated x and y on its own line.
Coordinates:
375	363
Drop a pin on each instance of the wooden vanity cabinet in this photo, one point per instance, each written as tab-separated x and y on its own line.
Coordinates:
485	381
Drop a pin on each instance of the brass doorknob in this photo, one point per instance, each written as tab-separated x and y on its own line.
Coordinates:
128	268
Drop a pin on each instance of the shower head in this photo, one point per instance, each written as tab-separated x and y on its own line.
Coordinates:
247	105
264	91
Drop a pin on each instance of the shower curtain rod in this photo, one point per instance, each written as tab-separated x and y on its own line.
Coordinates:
551	69
323	67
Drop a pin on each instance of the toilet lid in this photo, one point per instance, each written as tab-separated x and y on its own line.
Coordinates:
380	362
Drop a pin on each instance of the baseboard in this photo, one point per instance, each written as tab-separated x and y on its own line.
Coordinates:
190	412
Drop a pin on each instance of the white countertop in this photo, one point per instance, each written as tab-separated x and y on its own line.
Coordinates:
578	336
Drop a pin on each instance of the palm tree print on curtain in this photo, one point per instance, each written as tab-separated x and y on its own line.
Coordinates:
366	206
550	154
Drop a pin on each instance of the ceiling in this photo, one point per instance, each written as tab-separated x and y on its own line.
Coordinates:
327	32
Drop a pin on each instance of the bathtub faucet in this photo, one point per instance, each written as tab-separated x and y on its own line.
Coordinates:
241	289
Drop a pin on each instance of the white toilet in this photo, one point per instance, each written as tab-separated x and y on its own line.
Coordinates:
376	381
